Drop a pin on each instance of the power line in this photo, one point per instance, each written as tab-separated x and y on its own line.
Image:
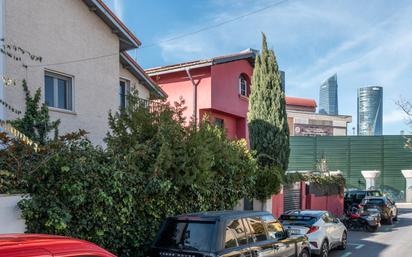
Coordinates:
74	61
170	39
215	25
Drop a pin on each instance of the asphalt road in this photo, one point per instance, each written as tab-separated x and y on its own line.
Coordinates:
390	240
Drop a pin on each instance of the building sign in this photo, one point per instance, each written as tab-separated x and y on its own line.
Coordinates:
312	130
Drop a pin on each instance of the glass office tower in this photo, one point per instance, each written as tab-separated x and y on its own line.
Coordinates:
370	106
328	97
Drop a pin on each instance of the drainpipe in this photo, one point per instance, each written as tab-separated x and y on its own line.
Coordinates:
2	64
194	96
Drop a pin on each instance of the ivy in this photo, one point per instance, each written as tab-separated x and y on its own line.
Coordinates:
154	166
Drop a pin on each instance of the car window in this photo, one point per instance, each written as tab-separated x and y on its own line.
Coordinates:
235	234
257	229
360	196
190	235
373	202
298	220
375	193
274	227
327	218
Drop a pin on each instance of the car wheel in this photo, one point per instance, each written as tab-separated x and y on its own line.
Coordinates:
324	250
390	220
396	217
304	253
344	241
371	228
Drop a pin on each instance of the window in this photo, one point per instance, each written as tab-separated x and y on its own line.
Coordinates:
58	91
275	229
220	123
124	88
235	234
189	235
242	86
258	232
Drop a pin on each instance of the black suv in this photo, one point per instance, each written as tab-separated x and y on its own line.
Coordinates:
386	207
228	234
355	197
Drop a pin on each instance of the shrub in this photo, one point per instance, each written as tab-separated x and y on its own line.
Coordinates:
154	166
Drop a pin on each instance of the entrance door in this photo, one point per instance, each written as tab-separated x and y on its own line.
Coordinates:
292	197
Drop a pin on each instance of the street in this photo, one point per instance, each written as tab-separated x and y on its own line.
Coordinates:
389	241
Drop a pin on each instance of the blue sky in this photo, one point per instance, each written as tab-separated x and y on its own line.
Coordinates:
364	42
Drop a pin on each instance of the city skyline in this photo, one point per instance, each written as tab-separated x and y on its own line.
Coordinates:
360	51
328	96
369	113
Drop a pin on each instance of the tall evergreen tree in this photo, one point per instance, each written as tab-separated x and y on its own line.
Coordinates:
267	120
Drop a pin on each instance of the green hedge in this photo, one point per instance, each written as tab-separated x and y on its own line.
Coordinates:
154	166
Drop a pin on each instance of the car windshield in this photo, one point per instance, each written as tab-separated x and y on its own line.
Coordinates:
375	193
298	220
373	202
186	235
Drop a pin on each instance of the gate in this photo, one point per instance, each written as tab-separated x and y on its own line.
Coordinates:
292	197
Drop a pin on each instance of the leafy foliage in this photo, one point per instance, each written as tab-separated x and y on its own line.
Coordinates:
35	122
268	127
154	166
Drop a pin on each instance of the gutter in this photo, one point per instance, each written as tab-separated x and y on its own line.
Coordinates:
194	96
184	68
2	59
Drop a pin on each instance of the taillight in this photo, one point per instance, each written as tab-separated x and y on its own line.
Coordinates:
313	229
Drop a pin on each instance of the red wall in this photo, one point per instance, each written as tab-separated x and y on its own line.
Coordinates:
177	85
277	204
331	203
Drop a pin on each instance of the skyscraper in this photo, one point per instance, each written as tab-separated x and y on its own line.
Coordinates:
328	96
370	105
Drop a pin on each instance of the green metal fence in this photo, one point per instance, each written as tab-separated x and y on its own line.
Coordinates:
352	154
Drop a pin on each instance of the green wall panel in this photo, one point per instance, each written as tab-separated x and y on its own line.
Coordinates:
352	154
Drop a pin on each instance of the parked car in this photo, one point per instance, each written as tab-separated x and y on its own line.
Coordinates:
323	230
355	197
387	208
228	234
34	245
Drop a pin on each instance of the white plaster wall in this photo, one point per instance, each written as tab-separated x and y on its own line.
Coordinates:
1	57
62	31
10	215
143	91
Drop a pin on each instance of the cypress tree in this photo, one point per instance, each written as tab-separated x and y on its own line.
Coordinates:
267	120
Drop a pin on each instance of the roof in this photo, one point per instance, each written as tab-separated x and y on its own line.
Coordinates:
248	54
220	215
52	244
305	102
127	39
133	67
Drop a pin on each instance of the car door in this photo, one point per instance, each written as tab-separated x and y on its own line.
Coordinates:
235	240
283	246
331	228
259	243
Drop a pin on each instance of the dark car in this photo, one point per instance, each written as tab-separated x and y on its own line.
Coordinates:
228	234
386	207
355	197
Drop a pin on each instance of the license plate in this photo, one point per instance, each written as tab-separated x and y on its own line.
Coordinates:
294	231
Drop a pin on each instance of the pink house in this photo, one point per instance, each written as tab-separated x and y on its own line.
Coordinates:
218	87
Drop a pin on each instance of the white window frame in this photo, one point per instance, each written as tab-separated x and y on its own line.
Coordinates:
127	91
59	75
241	79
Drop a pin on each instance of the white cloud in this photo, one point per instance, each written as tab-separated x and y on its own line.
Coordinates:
365	44
394	117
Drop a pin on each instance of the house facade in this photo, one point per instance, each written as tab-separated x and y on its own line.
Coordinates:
219	87
85	71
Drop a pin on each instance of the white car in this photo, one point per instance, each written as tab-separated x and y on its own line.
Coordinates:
323	230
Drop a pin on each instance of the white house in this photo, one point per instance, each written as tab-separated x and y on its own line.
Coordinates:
85	70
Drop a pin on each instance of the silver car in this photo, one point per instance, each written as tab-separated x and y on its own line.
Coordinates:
323	230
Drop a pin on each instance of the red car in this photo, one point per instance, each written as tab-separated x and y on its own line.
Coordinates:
32	245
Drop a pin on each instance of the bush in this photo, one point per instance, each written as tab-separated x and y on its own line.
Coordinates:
154	166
